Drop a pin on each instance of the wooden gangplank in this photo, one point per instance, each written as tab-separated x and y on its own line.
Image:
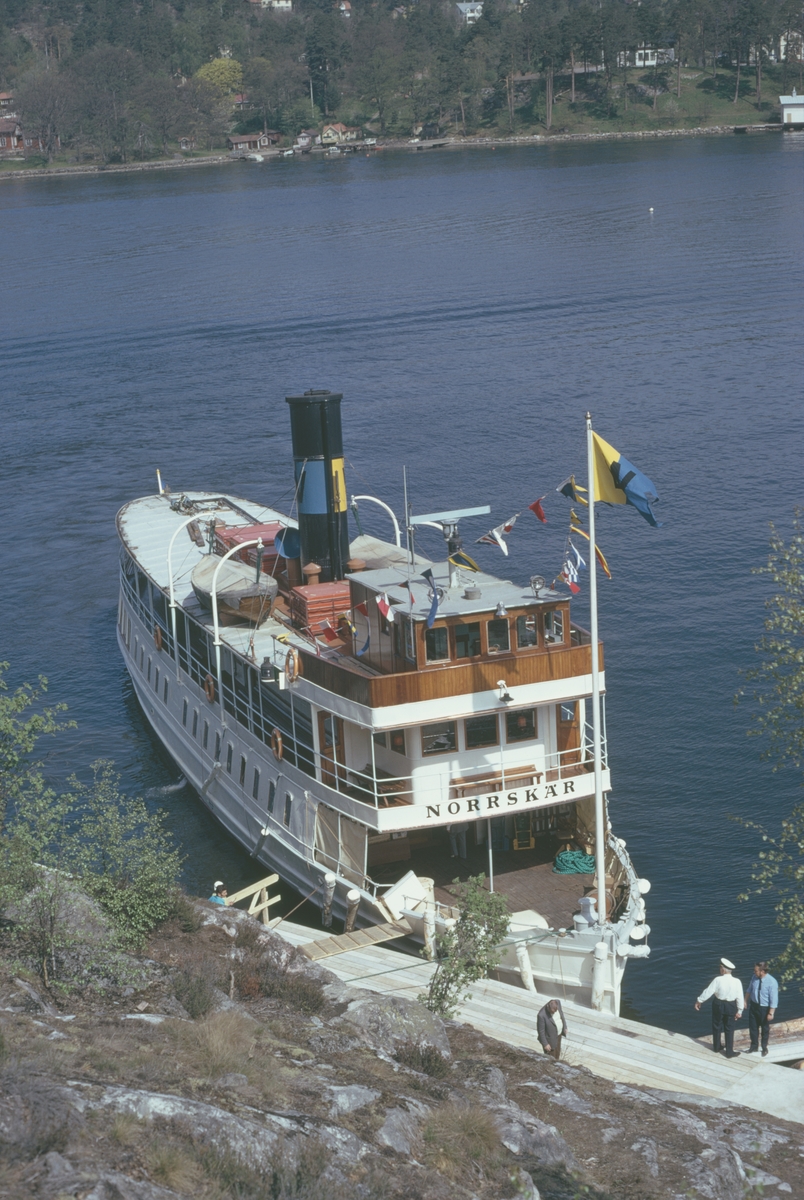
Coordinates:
358	940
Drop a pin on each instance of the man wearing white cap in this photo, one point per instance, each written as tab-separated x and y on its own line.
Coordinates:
727	1006
219	893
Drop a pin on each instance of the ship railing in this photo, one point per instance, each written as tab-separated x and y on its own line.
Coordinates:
579	636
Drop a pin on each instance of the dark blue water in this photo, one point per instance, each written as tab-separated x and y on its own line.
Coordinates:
471	306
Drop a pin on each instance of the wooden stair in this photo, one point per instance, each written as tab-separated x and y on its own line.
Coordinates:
343	942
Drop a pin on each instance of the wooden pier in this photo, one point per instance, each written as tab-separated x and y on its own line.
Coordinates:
615	1048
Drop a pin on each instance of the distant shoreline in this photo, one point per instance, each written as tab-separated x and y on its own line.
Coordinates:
484	142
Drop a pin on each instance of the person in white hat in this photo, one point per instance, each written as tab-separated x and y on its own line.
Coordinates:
727	1006
219	892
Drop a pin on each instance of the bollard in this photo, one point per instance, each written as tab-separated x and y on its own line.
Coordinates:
264	915
599	975
326	907
429	932
525	968
352	902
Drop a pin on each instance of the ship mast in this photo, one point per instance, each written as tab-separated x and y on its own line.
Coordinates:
600	816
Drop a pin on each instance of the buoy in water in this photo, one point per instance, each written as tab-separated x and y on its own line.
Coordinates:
650	210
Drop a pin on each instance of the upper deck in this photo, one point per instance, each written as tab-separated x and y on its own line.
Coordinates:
487	630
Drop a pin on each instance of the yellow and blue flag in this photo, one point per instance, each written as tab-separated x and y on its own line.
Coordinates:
617	481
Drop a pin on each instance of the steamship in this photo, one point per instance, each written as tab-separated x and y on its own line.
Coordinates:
371	732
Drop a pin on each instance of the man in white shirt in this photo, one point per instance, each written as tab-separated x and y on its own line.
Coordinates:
727	1006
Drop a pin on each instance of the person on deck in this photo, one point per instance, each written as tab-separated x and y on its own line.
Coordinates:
219	893
761	1000
457	839
727	1006
551	1028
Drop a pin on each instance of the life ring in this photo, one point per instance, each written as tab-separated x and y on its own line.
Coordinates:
292	665
209	688
277	744
158	636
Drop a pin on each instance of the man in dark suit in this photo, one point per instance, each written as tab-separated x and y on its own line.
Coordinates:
551	1027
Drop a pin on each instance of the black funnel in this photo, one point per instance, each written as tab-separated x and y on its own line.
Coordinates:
315	427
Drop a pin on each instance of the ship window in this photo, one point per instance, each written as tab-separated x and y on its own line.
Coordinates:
467	640
499	637
229	752
255	787
184	714
397	737
242	769
217	747
436	644
271	796
156	680
521	726
526	634
482	731
142	656
404	644
380	739
205	741
136	647
195	722
149	670
554	627
165	690
288	806
438	739
566	713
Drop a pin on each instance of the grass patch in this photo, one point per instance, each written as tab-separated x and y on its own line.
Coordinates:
422	1058
174	1167
126	1129
223	1043
462	1142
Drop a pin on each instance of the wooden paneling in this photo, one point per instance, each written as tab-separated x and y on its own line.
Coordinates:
412	686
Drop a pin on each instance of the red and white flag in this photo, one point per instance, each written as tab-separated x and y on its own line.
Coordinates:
384	605
494	537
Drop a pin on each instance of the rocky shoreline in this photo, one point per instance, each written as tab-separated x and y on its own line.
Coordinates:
536	139
235	1067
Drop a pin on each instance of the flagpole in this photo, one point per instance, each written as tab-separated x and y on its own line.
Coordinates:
600	817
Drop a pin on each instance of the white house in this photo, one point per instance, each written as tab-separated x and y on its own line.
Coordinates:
470	13
792	110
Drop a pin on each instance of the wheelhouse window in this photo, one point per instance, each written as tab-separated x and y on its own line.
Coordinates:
554	627
436	644
526	633
404	638
481	731
440	738
566	713
467	640
498	635
521	726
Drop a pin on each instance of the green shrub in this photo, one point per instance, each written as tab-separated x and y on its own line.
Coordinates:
185	913
193	990
297	991
123	854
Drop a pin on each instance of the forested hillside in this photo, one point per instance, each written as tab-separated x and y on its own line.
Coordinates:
120	79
